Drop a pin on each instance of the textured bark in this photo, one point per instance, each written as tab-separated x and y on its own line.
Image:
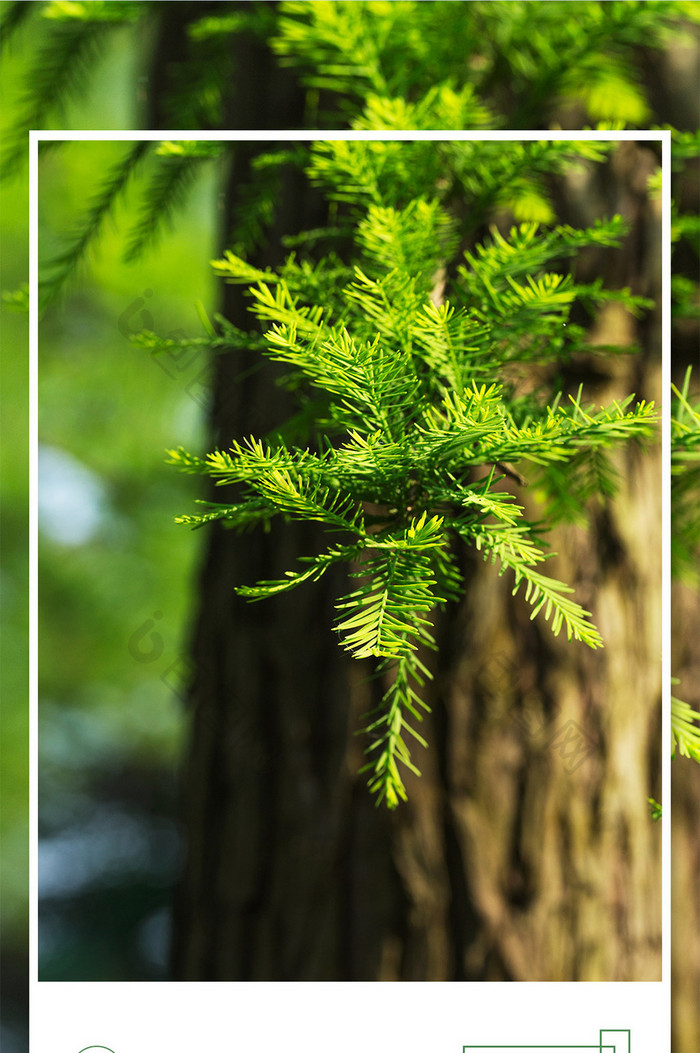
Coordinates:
685	836
685	898
526	851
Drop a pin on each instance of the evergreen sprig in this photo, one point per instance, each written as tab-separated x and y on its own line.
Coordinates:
58	271
685	538
414	435
685	483
63	65
316	567
685	729
388	725
176	168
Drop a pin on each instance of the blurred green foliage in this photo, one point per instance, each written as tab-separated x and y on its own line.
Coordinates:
111	719
116	576
13	583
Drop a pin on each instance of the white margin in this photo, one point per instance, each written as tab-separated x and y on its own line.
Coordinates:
666	671
286	136
33	553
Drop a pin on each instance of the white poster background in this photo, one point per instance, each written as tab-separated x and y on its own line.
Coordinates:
171	1017
346	1017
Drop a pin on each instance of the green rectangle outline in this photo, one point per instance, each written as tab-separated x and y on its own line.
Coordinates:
563	1045
617	1031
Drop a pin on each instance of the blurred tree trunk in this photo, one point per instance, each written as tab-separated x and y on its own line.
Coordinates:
685	838
526	851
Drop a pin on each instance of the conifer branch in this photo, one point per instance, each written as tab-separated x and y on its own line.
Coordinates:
685	483
685	729
317	567
388	610
388	725
167	192
58	271
412	411
240	516
60	73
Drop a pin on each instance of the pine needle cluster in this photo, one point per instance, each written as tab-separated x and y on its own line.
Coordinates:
685	539
417	436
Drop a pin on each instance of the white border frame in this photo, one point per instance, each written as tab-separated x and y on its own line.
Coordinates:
66	1016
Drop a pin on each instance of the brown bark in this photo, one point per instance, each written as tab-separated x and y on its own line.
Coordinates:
685	835
685	900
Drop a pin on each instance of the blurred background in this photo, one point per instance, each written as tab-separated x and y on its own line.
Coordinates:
115	581
116	574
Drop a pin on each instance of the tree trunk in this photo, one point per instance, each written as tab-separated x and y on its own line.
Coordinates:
526	850
685	836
